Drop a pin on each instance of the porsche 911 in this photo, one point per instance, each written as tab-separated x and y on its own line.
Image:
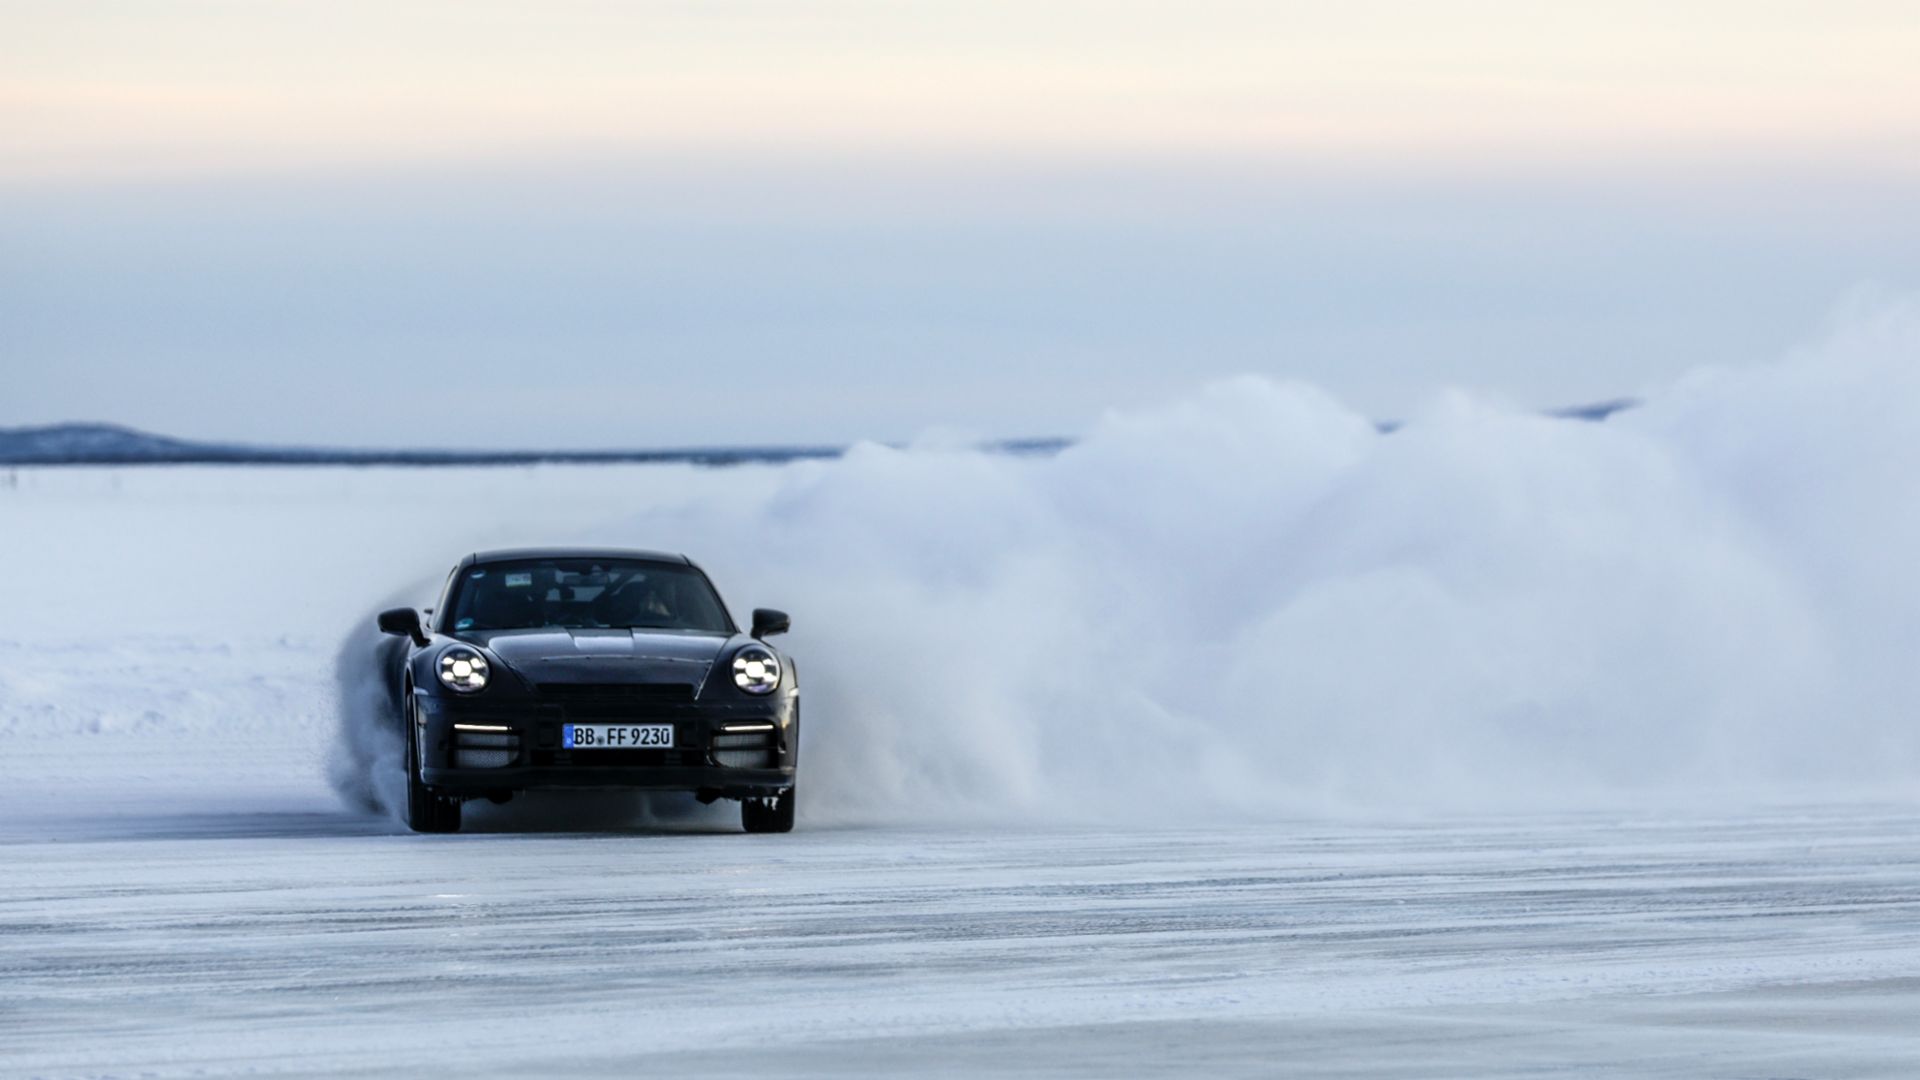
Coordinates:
556	668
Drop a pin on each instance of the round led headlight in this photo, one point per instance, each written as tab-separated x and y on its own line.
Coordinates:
756	670
463	670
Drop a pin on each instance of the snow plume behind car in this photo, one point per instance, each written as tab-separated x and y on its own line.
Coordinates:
1253	602
364	765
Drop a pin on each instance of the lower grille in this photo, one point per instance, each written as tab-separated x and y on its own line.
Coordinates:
744	749
645	759
484	748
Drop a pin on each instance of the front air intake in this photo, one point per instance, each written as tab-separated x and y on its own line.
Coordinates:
748	749
484	746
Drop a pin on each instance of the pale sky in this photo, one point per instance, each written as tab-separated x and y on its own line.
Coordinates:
644	224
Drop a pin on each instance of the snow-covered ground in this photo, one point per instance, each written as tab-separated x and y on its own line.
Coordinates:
1238	738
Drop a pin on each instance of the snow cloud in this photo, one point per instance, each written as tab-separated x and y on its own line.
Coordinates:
1251	602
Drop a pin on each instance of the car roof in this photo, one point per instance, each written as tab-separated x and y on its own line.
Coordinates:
521	554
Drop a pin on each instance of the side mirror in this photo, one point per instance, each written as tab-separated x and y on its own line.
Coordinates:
405	622
768	622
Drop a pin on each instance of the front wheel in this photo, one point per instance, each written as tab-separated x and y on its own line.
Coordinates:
773	815
427	812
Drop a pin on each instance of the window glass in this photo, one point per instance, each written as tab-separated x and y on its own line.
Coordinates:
586	594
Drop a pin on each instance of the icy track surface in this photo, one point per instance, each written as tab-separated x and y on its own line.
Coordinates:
288	938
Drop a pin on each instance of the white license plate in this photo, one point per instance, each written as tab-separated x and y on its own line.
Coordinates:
616	736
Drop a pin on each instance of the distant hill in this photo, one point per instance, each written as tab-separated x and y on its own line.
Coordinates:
111	444
63	443
1597	411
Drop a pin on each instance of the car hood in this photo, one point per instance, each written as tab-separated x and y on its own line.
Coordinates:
558	655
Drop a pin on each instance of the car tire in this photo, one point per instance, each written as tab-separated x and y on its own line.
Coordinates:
768	815
427	812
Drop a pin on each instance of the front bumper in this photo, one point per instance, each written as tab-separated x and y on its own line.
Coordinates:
728	783
519	740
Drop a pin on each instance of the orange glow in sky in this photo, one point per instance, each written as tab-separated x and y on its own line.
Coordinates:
138	89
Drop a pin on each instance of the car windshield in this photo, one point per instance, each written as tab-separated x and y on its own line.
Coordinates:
586	594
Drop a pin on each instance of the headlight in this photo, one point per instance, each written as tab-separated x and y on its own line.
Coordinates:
463	670
756	670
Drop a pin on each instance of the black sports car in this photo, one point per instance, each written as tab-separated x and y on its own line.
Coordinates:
578	668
